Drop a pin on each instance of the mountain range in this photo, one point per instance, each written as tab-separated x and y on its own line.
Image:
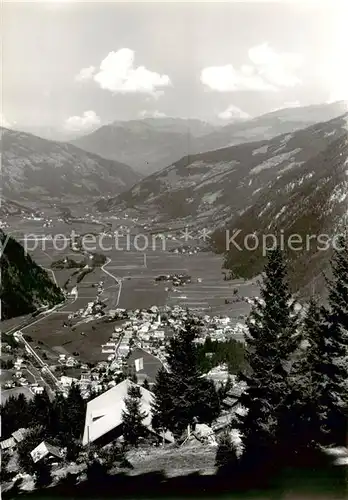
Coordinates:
151	144
295	181
146	145
307	204
34	168
209	189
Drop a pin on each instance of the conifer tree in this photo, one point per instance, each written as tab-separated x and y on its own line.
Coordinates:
15	413
60	417
132	417
41	411
270	343
336	343
68	416
225	388
146	385
162	405
5	475
226	455
306	415
76	412
181	394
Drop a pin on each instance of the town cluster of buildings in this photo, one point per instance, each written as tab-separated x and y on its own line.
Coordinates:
94	308
21	375
149	331
137	346
175	279
189	249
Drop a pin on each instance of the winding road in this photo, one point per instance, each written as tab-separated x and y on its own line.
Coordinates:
118	280
19	329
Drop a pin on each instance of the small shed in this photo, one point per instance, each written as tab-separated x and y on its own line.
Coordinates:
46	450
20	434
7	444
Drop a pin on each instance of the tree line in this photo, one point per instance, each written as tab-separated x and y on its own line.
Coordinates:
213	353
61	418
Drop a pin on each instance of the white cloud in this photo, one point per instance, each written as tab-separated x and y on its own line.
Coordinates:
85	74
87	121
228	79
151	114
233	113
278	69
118	74
266	70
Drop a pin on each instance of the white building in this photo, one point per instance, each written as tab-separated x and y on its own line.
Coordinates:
67	381
37	389
103	421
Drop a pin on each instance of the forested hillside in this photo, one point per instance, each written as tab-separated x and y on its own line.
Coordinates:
24	285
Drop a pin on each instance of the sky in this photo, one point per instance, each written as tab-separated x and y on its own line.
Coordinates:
76	66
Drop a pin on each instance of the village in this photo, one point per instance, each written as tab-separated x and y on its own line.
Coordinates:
136	347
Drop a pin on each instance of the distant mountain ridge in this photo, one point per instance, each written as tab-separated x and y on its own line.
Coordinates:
270	125
34	168
151	144
25	286
147	145
208	189
194	126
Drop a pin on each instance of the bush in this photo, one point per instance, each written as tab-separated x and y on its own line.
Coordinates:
69	480
113	456
226	456
7	364
5	475
42	474
73	450
96	471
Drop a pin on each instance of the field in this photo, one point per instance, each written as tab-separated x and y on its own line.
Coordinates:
129	282
206	293
85	338
5	376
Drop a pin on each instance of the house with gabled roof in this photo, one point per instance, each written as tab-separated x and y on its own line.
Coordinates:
103	422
